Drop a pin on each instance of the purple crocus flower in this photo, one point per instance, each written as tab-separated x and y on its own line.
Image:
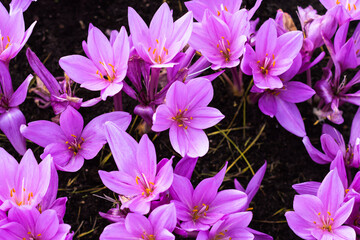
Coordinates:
12	33
158	226
106	63
273	56
164	39
199	209
10	115
139	178
332	141
24	184
233	226
221	43
186	113
322	216
60	95
70	143
253	185
29	224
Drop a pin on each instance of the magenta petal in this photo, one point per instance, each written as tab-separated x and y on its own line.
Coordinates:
199	92
355	127
90	148
343	213
205	192
164	178
79	68
255	182
315	154
290	118
300	227
173	101
96	129
204	117
113	231
121	50
10	123
228	201
122	146
43	133
267	104
71	122
308	207
345	232
329	145
20	94
8	169
120	183
163	217
162	119
110	90
47	224
60	153
266	39
137	225
185	167
296	92
146	158
5	80
182	190
307	188
289	44
178	140
331	191
198	142
249	56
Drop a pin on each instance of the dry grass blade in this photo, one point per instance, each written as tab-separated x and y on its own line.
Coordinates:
238	149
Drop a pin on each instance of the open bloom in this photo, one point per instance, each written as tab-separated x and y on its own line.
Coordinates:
273	56
24	184
139	178
106	63
70	143
158	226
164	39
322	216
199	209
10	115
30	224
186	113
12	33
221	43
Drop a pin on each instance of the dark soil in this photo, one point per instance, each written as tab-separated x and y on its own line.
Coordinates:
62	26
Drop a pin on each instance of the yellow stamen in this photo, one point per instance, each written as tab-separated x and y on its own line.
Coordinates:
273	63
73	136
225	8
218	13
349	7
154	51
157	41
137	180
354	7
8	38
149	49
